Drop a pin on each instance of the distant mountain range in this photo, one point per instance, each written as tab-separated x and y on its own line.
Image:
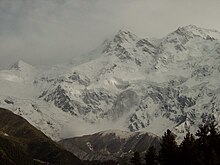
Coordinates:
128	83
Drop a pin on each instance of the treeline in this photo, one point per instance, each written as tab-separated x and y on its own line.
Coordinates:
202	150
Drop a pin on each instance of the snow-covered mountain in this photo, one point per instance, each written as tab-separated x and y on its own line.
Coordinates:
128	83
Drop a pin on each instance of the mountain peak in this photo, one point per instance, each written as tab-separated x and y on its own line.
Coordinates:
193	30
184	34
123	31
189	30
124	35
190	27
21	65
194	27
120	41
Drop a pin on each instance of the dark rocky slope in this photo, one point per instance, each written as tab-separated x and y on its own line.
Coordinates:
110	145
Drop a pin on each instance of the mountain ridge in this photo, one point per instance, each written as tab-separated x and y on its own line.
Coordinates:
24	144
110	144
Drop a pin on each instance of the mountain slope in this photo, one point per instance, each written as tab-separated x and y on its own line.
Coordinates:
30	142
110	145
12	152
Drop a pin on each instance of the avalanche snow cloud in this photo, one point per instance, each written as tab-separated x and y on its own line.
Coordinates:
54	31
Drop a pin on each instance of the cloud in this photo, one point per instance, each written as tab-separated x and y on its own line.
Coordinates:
47	31
77	127
54	31
156	18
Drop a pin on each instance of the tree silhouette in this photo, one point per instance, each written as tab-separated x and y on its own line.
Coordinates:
169	148
188	153
136	160
208	144
213	144
151	156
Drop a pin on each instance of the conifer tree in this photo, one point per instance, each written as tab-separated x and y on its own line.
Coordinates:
214	136
136	160
202	143
208	143
151	156
169	148
188	151
213	144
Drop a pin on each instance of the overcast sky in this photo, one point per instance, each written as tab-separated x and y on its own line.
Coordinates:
53	31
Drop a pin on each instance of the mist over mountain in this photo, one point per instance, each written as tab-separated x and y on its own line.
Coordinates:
48	32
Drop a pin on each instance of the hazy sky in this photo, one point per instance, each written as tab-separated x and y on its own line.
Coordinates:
54	31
